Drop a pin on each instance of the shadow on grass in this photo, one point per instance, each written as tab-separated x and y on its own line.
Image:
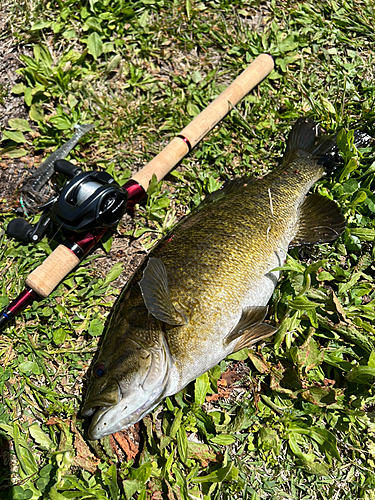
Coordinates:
5	482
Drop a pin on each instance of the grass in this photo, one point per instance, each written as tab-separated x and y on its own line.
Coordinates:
291	419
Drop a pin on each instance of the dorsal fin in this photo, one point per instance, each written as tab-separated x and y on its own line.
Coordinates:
230	186
319	220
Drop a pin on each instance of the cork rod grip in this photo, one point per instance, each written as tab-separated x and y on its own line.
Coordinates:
168	158
48	275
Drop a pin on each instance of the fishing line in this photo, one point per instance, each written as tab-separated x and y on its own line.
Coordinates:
57	230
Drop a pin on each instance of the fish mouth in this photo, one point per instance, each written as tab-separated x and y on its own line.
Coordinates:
106	399
106	419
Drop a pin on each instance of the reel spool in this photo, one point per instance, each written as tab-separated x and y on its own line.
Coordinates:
90	200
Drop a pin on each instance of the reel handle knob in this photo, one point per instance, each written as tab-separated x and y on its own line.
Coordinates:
21	230
66	168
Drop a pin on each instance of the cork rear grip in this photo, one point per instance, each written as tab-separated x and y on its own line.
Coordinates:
173	153
54	269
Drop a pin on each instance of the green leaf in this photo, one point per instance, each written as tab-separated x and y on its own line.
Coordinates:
59	336
182	444
16	136
39	25
24	455
61	122
19	124
114	273
176	424
323	437
302	304
223	439
95	45
96	327
202	385
350	186
268	439
36	113
29	367
18	493
41	437
19	88
189	8
362	374
218	476
106	242
18	153
192	109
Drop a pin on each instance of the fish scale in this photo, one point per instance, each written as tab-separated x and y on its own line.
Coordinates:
202	292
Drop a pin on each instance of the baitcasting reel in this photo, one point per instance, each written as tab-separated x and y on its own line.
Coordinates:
90	200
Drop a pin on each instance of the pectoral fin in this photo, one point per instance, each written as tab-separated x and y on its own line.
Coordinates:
250	328
320	220
156	295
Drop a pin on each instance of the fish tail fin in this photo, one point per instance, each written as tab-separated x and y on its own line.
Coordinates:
307	135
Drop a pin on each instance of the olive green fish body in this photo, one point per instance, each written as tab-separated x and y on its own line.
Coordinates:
203	291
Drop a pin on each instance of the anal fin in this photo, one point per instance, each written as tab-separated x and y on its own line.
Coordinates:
250	328
320	220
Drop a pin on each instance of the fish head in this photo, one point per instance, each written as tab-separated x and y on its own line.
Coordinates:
126	383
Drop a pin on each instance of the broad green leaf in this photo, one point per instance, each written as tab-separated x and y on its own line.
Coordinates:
323	437
223	439
218	476
192	109
15	136
302	304
18	88
39	25
24	455
107	243
20	493
61	122
19	124
17	153
36	113
59	336
113	63
189	8
95	45
350	186
114	273
202	385
29	367
96	327
328	106
268	439
41	437
362	374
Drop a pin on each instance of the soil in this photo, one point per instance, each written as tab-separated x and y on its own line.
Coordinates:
12	171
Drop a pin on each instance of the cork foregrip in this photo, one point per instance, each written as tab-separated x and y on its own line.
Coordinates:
172	154
48	275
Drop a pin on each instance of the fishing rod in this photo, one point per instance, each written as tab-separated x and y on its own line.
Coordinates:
92	202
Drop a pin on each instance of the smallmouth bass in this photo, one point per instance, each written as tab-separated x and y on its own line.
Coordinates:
202	292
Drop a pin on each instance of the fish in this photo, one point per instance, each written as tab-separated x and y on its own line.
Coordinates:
203	291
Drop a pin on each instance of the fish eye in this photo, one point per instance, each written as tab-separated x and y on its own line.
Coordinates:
99	370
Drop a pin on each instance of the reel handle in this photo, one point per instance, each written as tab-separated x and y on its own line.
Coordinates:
66	168
20	230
